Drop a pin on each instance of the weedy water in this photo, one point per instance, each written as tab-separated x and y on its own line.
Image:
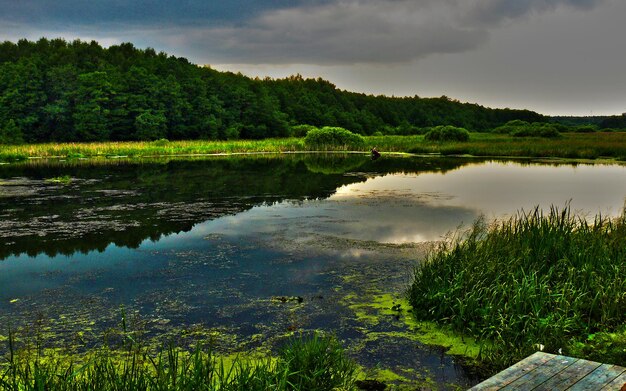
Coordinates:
536	280
310	362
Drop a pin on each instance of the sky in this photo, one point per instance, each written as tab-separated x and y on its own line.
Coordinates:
557	57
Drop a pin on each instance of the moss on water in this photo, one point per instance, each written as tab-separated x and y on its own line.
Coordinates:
373	309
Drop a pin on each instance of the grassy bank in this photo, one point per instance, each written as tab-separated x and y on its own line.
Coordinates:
576	146
537	280
306	363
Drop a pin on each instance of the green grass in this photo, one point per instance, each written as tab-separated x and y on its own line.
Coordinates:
572	146
307	363
554	280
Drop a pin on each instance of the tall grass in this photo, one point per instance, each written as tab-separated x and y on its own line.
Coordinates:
306	363
579	146
552	279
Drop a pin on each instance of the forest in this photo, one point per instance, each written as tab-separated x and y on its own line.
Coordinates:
54	90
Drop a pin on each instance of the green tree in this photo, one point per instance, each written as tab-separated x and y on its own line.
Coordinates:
92	114
10	133
150	126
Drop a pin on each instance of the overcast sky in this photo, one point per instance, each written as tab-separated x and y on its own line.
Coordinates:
558	57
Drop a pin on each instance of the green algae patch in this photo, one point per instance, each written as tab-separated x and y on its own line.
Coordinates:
430	333
388	307
65	179
400	379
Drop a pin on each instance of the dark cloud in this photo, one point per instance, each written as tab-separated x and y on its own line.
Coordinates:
369	31
491	11
41	13
280	31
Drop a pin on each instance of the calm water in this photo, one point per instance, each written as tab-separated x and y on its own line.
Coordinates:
209	245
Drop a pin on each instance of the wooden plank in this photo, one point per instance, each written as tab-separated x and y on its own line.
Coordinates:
514	372
597	379
569	376
541	374
617	383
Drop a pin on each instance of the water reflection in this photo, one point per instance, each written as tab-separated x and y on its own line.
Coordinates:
124	204
404	208
210	242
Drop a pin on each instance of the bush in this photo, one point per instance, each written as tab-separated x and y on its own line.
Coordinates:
160	142
447	133
519	128
585	129
333	138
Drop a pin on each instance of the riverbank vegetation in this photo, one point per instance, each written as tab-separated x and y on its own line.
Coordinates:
569	146
303	363
551	281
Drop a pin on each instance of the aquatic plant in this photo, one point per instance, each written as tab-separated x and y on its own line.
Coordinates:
538	278
305	363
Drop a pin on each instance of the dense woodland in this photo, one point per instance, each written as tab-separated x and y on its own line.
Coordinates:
53	90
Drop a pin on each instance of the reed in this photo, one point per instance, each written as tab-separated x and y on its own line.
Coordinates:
305	363
539	279
572	146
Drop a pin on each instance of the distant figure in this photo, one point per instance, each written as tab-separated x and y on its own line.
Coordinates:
375	153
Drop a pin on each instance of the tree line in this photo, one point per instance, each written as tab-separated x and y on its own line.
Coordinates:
54	90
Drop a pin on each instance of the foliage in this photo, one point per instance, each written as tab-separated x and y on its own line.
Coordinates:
616	122
602	346
333	138
447	133
11	133
313	363
584	129
79	91
301	130
519	128
551	279
316	364
574	146
150	126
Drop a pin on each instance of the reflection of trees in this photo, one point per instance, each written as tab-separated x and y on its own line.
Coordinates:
125	204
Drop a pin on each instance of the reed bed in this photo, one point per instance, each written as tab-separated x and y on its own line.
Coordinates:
305	363
551	281
573	146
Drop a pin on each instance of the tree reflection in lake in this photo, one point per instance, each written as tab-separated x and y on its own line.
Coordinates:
208	243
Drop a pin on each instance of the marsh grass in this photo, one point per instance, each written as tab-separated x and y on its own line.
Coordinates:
304	363
538	279
572	146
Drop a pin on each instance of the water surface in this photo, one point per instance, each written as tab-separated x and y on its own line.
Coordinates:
214	244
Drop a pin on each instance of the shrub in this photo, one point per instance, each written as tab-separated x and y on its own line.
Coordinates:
584	129
333	138
160	142
447	133
517	128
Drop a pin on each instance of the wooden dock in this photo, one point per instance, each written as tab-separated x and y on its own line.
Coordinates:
544	371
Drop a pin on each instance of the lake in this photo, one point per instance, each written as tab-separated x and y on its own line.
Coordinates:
249	250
